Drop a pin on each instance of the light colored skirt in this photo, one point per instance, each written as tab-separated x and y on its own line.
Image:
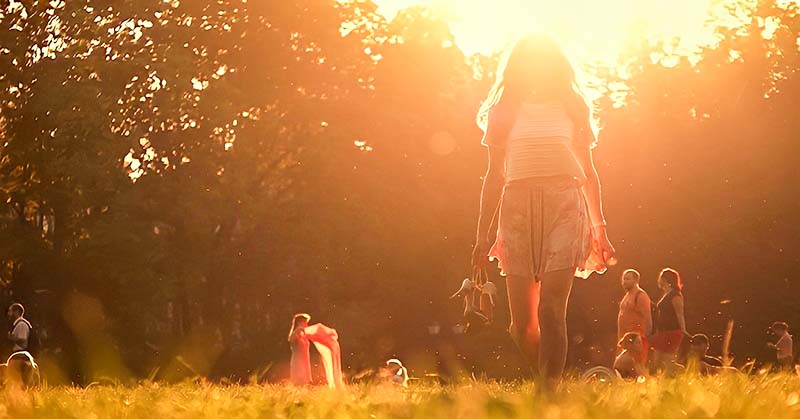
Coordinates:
544	227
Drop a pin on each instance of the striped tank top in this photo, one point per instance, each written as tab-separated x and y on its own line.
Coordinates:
540	143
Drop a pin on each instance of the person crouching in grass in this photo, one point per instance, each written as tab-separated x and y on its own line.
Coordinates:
699	361
629	362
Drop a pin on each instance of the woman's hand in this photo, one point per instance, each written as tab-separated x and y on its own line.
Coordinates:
480	254
602	246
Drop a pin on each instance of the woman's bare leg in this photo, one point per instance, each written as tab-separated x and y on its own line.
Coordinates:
556	287
523	300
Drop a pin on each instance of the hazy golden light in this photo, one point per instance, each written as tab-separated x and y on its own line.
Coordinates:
442	143
590	30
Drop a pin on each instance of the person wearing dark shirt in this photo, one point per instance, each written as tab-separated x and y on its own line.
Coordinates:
670	322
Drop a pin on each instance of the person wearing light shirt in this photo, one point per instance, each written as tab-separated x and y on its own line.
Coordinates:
20	328
783	346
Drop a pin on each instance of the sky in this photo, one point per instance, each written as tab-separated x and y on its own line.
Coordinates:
589	30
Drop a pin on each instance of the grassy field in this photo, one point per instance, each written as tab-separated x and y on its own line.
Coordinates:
762	397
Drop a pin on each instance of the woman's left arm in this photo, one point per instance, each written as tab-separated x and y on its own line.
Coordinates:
677	303
591	192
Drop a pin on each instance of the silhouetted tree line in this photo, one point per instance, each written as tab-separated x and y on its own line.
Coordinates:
178	178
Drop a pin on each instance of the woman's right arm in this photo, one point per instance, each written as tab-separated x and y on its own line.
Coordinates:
490	199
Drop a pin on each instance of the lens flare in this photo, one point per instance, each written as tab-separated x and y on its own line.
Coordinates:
589	30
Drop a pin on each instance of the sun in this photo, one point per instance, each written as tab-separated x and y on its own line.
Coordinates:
589	30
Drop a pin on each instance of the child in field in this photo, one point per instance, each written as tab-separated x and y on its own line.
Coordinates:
395	372
629	362
325	340
300	364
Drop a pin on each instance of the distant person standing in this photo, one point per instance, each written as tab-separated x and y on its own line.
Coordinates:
784	346
20	328
634	311
670	321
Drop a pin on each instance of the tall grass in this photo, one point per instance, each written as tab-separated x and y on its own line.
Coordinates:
730	396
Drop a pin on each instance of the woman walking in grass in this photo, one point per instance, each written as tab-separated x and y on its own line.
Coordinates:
541	176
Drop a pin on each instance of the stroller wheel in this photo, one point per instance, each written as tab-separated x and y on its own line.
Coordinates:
600	374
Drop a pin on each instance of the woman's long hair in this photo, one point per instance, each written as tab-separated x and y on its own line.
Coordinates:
298	318
673	278
536	68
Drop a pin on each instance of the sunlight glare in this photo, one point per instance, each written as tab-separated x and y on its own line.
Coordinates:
590	30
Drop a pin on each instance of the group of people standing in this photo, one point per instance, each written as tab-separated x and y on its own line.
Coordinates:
325	340
641	328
